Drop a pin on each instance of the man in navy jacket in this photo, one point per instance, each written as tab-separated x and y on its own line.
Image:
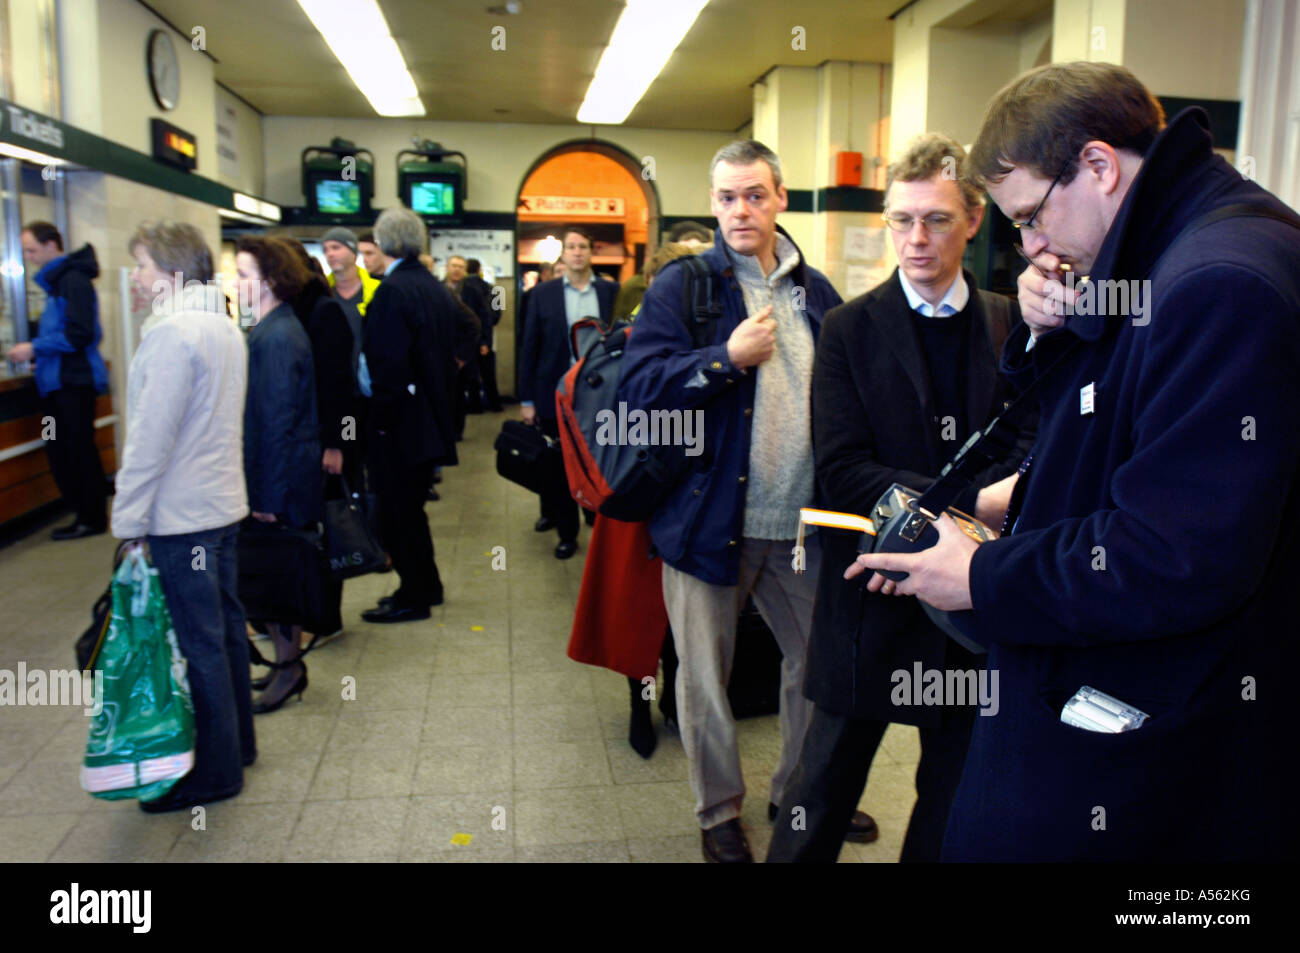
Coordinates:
1155	533
554	307
729	527
69	373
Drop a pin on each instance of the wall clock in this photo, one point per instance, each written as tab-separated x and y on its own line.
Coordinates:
164	69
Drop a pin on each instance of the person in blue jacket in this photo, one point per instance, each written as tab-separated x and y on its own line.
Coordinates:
1154	531
728	529
69	373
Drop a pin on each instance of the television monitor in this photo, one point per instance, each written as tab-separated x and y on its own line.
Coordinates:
436	196
337	197
433	198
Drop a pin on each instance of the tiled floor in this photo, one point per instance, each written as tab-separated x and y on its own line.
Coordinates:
474	723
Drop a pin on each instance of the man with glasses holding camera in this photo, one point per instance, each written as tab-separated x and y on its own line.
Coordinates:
903	375
1140	610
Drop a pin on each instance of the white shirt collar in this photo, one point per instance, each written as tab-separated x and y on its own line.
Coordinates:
953	300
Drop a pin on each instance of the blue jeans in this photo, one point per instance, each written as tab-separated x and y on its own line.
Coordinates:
199	576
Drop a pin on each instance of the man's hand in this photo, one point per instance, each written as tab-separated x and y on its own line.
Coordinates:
264	517
753	341
331	461
1042	294
529	415
993	500
939	575
21	352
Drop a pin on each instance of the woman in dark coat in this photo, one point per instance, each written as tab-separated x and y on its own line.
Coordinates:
327	326
282	451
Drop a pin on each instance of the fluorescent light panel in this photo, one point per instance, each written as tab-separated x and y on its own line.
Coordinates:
358	34
29	155
645	36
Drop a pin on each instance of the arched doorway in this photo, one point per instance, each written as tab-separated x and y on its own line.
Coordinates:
596	184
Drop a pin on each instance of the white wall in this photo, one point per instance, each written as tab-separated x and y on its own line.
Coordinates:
1186	48
128	103
499	155
25	45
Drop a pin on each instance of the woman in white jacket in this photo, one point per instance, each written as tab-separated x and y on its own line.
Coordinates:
180	486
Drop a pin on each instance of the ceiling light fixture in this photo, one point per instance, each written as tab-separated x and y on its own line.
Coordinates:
357	33
645	36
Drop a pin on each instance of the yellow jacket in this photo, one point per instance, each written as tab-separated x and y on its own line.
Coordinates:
368	286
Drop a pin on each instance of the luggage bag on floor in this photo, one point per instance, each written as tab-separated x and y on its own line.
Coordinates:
526	456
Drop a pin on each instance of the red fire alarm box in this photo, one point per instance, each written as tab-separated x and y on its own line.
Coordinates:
848	168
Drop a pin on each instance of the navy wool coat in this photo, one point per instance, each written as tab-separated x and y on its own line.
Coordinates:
698	528
546	354
1157	549
282	451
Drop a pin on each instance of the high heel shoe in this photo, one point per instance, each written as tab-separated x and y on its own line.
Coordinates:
262	706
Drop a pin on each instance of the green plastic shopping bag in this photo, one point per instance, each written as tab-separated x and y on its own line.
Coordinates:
142	741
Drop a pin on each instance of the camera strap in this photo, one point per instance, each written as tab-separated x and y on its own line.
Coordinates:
995	442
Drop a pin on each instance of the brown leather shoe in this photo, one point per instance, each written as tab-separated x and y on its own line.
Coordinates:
726	844
862	828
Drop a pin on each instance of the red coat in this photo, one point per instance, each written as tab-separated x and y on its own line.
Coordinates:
620	621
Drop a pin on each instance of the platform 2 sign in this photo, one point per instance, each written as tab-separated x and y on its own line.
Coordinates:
174	145
569	205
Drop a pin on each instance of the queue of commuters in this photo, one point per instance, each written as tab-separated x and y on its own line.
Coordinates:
1099	574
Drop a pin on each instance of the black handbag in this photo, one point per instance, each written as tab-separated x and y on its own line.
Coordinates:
527	456
350	542
101	613
284	576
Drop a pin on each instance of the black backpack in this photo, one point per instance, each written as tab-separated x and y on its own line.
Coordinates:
620	480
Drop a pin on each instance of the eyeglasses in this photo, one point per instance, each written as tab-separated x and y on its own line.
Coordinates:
1029	222
935	223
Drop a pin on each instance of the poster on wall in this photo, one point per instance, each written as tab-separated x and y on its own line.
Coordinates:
493	247
227	137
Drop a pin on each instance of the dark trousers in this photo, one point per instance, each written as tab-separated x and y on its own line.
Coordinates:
354	451
832	771
74	460
487	372
199	574
558	504
401	489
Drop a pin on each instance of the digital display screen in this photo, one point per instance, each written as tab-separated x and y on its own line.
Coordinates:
433	198
337	197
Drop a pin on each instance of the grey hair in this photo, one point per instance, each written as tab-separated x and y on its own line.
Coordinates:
747	152
400	233
174	247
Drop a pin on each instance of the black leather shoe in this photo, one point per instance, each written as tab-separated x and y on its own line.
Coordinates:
77	531
383	615
726	844
862	826
542	525
565	550
434	495
180	802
